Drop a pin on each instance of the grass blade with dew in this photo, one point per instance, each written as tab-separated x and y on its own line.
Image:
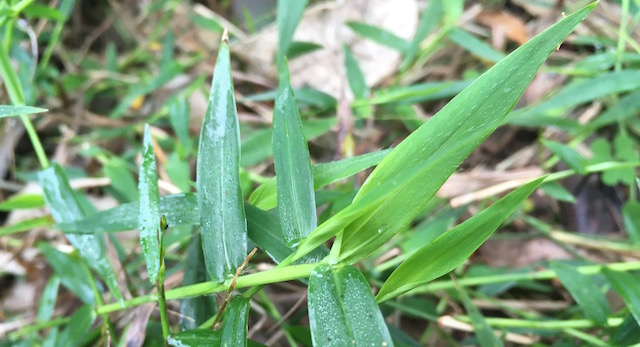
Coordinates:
149	207
296	197
222	218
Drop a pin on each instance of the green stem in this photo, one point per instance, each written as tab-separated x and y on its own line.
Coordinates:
265	277
622	34
536	275
542	324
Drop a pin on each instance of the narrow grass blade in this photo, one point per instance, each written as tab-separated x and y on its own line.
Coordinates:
22	201
474	46
234	323
628	286
287	18
265	196
342	309
417	93
381	36
299	48
452	248
429	18
70	270
355	77
584	292
149	202
483	331
79	325
631	219
296	198
65	208
447	139
197	337
26	225
195	311
627	333
14	111
122	181
222	219
558	192
179	209
568	155
48	299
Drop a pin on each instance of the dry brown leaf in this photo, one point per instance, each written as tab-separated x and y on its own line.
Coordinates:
504	25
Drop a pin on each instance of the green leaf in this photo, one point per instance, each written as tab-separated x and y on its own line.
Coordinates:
628	286
380	36
78	326
483	331
179	209
26	225
418	92
264	229
626	108
65	208
234	322
197	337
121	180
627	333
288	16
197	310
579	92
584	291
355	77
296	199
631	219
48	299
342	309
265	196
568	155
22	201
298	48
149	213
70	270
474	46
446	139
558	191
429	18
179	118
14	111
222	219
454	247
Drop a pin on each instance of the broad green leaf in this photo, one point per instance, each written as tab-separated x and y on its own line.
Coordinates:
26	225
631	219
474	46
195	311
296	199
380	36
584	291
483	331
70	270
579	92
222	220
342	309
355	77
78	327
22	201
149	213
446	139
264	229
265	196
234	322
48	299
14	111
65	208
628	286
452	248
568	155
288	16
